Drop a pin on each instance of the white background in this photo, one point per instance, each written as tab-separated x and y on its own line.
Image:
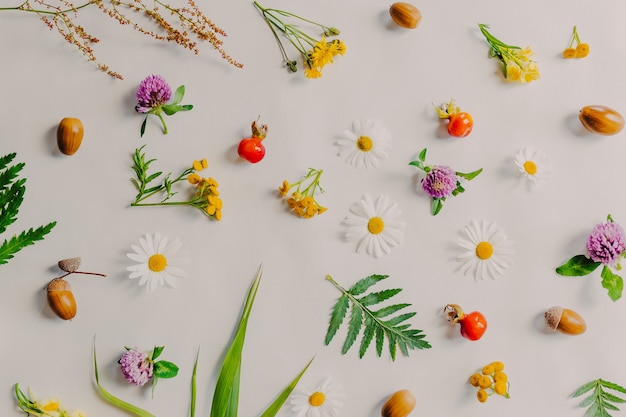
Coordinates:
388	74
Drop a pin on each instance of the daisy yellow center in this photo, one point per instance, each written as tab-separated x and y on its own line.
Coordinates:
317	398
375	225
530	167
364	143
484	250
157	263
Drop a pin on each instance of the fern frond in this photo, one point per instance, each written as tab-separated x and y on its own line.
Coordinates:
10	201
600	400
375	325
16	243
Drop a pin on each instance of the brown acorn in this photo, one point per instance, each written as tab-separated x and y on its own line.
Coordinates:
400	404
565	321
60	298
70	135
405	15
601	119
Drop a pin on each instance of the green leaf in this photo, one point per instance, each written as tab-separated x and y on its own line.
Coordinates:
156	352
612	385
18	242
577	266
436	206
171	109
356	320
471	175
187	107
612	282
178	95
226	395
612	398
113	399
422	155
165	369
585	388
143	126
361	317
418	164
273	409
378	297
336	318
363	285
385	311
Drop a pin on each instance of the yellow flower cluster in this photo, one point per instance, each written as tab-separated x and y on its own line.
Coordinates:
516	61
580	51
519	67
302	201
207	195
322	54
491	380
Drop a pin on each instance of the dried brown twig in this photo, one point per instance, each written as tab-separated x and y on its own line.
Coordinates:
179	25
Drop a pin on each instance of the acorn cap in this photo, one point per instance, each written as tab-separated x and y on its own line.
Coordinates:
553	317
69	265
58	284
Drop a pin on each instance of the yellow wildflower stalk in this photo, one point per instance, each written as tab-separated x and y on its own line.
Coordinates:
315	53
516	61
302	201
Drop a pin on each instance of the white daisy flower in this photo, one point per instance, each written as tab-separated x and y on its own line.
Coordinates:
375	225
486	250
365	144
323	401
158	261
533	164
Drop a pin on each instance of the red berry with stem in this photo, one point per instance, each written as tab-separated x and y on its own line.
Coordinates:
251	149
460	123
473	325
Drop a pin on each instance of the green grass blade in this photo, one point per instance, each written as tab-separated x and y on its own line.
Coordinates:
273	409
226	394
192	402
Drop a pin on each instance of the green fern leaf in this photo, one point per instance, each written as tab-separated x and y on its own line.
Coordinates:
6	160
398	333
386	311
378	297
12	191
599	401
336	318
363	285
368	335
16	243
10	201
356	321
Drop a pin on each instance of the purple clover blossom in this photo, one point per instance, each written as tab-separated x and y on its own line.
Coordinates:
440	181
152	93
136	367
607	243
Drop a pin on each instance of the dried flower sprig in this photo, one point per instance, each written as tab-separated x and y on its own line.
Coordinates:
48	407
153	95
175	25
206	197
516	63
606	245
441	181
139	367
316	53
302	200
580	51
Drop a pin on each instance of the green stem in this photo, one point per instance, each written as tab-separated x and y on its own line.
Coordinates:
162	203
163	123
